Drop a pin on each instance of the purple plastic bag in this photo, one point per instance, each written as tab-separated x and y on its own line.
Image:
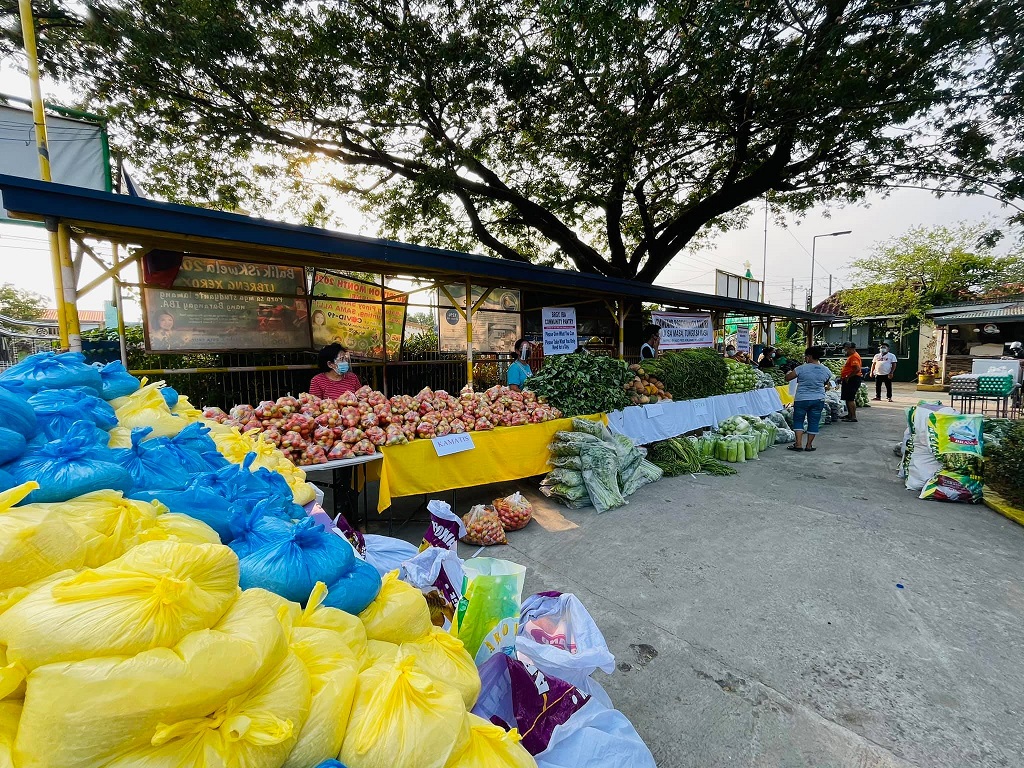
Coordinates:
517	695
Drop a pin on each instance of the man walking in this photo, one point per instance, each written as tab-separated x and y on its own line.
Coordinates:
883	368
851	376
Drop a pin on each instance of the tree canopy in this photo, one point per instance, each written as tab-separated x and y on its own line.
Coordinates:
19	304
929	267
609	134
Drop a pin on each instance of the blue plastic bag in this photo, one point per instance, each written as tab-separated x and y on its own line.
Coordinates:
354	590
57	409
48	370
12	445
200	503
254	530
291	567
197	452
70	467
196	438
155	465
7	481
116	380
18	414
170	396
238	484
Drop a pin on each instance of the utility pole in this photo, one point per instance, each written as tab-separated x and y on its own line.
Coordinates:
792	293
830	285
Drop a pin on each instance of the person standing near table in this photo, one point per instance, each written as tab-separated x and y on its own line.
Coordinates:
809	399
519	371
767	359
883	368
335	375
649	350
851	377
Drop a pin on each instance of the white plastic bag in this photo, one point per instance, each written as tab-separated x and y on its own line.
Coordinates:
923	465
559	636
438	573
387	554
597	737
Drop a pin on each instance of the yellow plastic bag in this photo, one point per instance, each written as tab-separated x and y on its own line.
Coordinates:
34	542
399	613
186	410
380	651
233	444
256	729
181	528
333	674
401	717
445	659
491	746
10	714
146	407
108	523
86	713
317	616
151	597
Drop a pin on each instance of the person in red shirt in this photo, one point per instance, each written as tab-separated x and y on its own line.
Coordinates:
851	377
335	375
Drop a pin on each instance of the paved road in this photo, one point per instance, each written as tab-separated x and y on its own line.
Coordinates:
758	620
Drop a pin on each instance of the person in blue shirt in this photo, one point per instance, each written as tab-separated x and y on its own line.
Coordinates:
810	397
519	371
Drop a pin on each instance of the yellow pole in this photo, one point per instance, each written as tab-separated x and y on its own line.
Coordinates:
469	332
67	272
28	32
622	330
118	304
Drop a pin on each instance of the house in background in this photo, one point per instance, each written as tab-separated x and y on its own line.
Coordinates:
956	335
971	332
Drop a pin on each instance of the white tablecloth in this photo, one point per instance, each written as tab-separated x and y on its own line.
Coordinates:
644	423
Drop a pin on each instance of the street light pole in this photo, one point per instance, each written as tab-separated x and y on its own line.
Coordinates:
814	243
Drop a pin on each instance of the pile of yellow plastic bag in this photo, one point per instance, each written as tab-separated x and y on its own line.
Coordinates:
125	641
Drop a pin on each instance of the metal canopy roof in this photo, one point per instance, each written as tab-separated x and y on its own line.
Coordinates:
1013	313
169	226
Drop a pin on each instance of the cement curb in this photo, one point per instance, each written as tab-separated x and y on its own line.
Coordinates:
997	503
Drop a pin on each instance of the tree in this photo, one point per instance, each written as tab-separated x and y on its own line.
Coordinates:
19	304
609	134
924	268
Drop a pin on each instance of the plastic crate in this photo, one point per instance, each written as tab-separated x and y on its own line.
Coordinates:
963	385
995	385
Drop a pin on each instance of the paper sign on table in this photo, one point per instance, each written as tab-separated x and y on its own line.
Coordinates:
654	409
454	443
559	324
701	413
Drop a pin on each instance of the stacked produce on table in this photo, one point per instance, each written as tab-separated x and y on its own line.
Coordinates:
690	374
166	601
741	377
310	430
645	388
594	467
763	380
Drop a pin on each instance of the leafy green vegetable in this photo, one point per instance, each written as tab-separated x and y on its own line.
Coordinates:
581	384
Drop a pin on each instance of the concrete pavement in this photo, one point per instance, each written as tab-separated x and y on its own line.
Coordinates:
807	612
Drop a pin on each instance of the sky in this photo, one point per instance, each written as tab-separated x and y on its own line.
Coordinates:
786	261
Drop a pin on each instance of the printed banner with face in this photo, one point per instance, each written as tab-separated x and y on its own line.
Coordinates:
348	311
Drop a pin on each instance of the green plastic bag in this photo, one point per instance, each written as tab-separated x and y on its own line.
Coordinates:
487	619
948	485
955	433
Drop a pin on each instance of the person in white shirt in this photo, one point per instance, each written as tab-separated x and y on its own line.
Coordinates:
883	367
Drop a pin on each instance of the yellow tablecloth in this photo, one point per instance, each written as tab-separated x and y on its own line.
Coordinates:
784	395
505	453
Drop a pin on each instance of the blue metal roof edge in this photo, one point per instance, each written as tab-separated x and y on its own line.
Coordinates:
43	199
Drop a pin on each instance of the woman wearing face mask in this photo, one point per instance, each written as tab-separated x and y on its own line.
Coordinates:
335	375
519	371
